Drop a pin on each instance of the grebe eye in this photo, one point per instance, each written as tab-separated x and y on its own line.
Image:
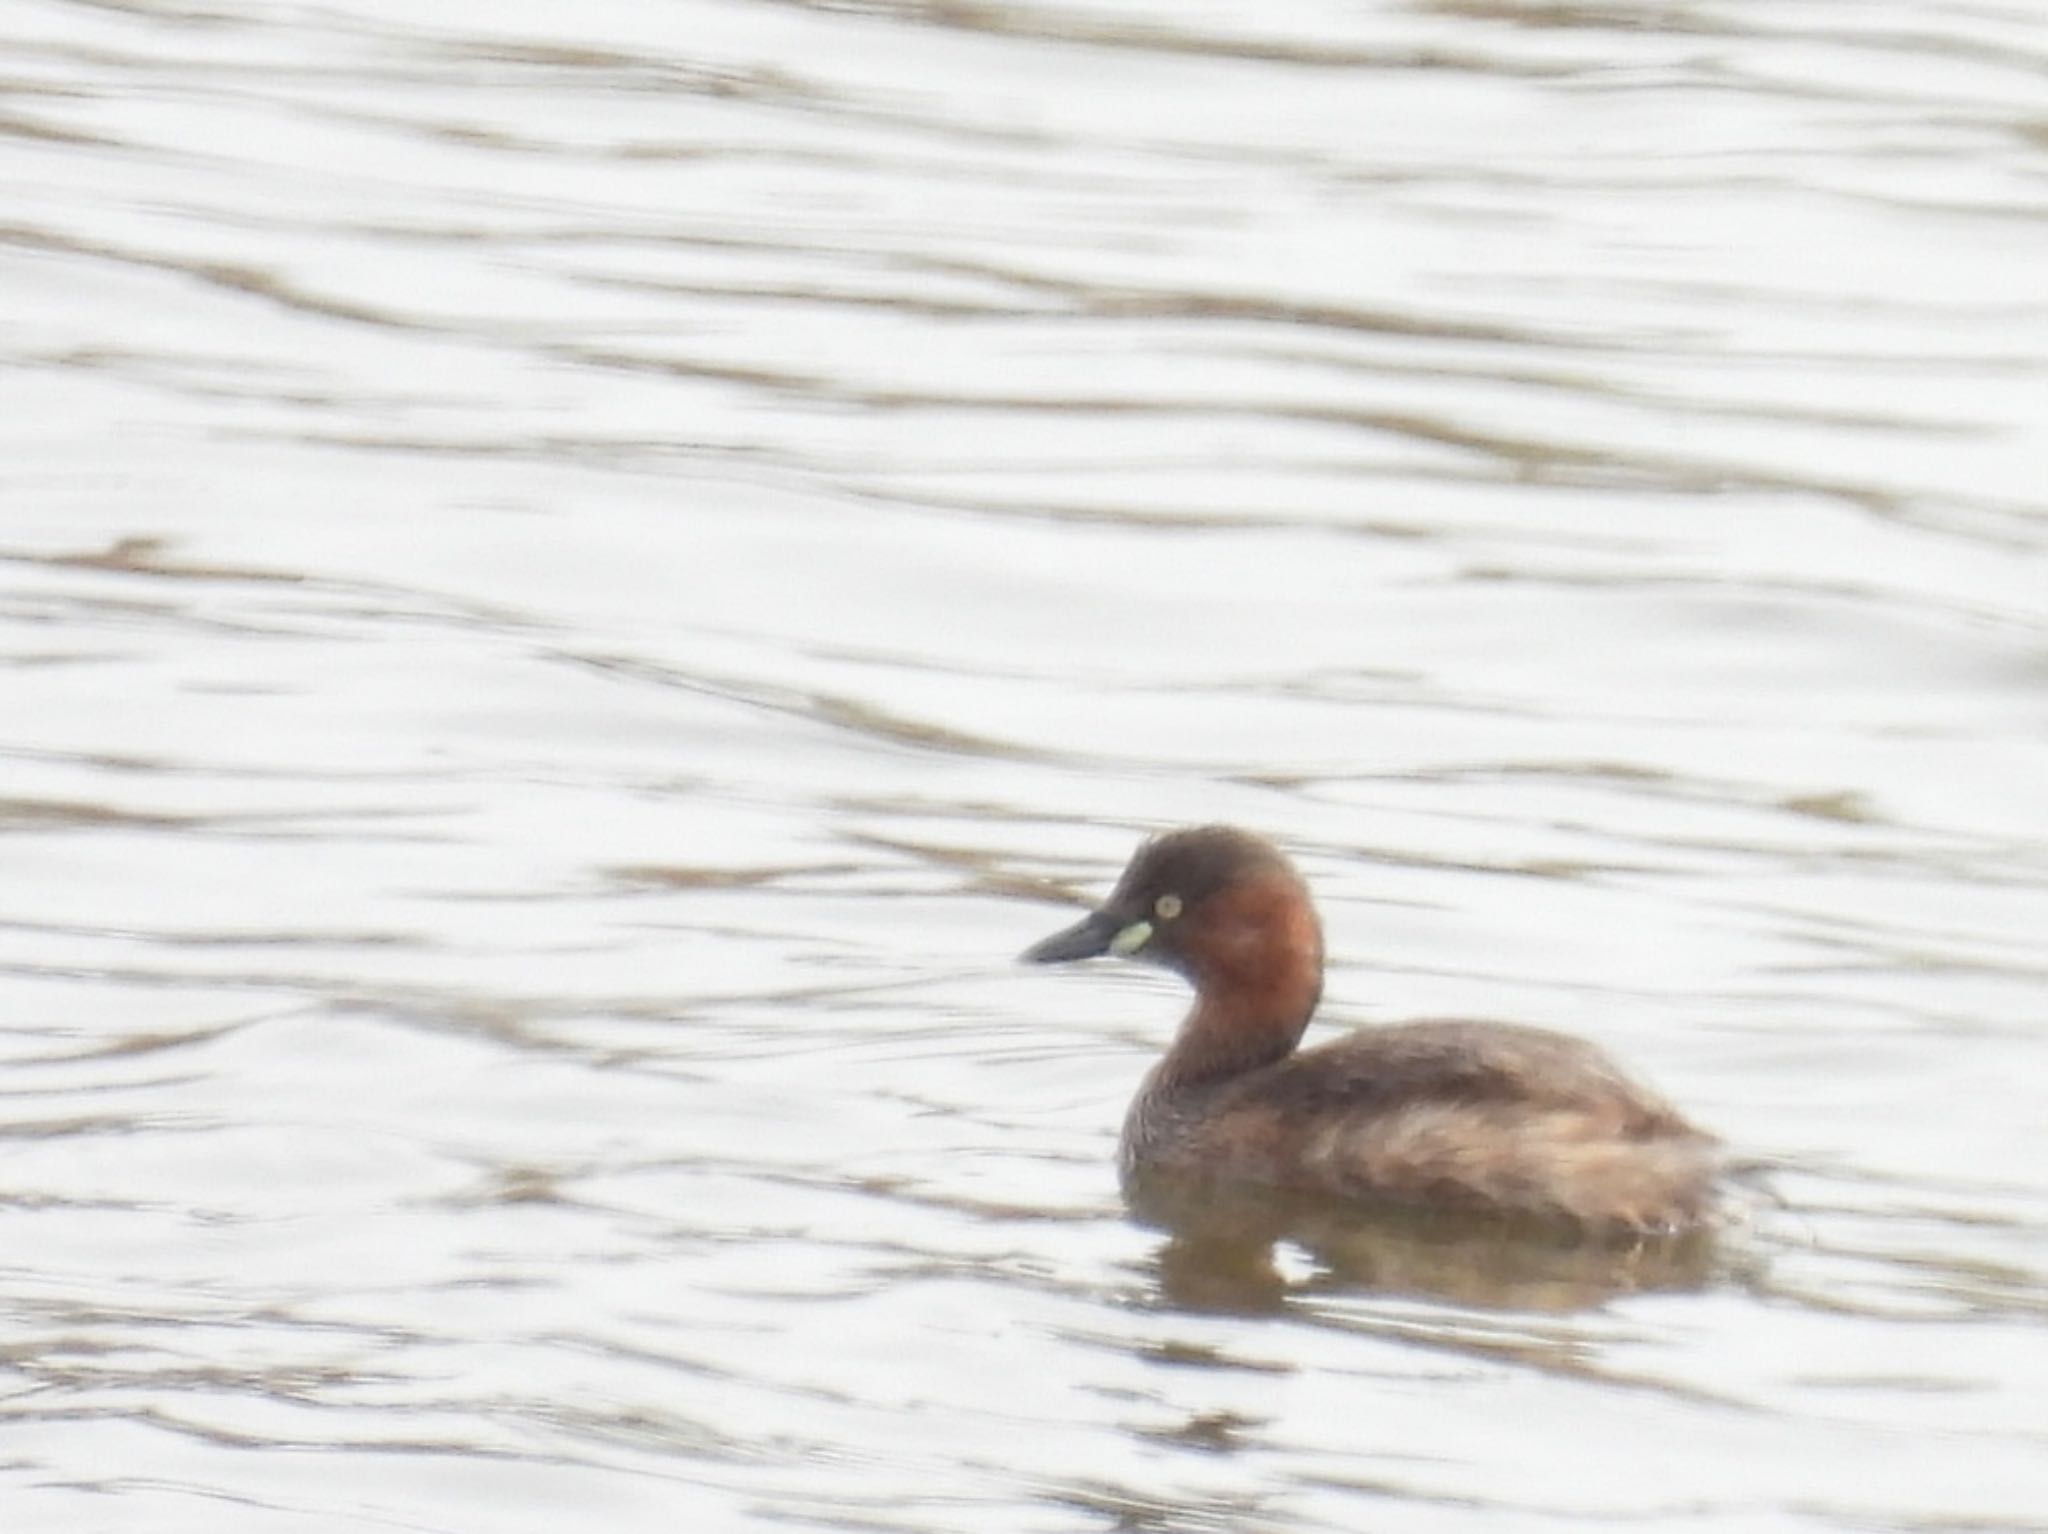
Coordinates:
1166	907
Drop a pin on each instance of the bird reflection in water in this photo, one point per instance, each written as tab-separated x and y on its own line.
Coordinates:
1221	1252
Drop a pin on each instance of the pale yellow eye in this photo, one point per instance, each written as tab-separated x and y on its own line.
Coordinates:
1166	907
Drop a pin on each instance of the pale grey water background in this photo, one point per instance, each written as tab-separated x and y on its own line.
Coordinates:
567	574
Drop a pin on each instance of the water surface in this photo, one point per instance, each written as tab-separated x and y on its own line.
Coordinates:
570	596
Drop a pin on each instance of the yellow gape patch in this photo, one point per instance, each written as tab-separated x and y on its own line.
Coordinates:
1131	939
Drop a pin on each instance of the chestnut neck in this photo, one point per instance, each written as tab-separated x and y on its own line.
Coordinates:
1256	960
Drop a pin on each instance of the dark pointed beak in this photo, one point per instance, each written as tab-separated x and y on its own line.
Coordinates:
1088	938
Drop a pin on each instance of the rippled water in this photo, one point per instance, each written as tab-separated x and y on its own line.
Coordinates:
571	591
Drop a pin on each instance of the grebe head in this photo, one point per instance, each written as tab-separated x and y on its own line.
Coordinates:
1218	905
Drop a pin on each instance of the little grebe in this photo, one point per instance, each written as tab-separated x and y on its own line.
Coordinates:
1487	1118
